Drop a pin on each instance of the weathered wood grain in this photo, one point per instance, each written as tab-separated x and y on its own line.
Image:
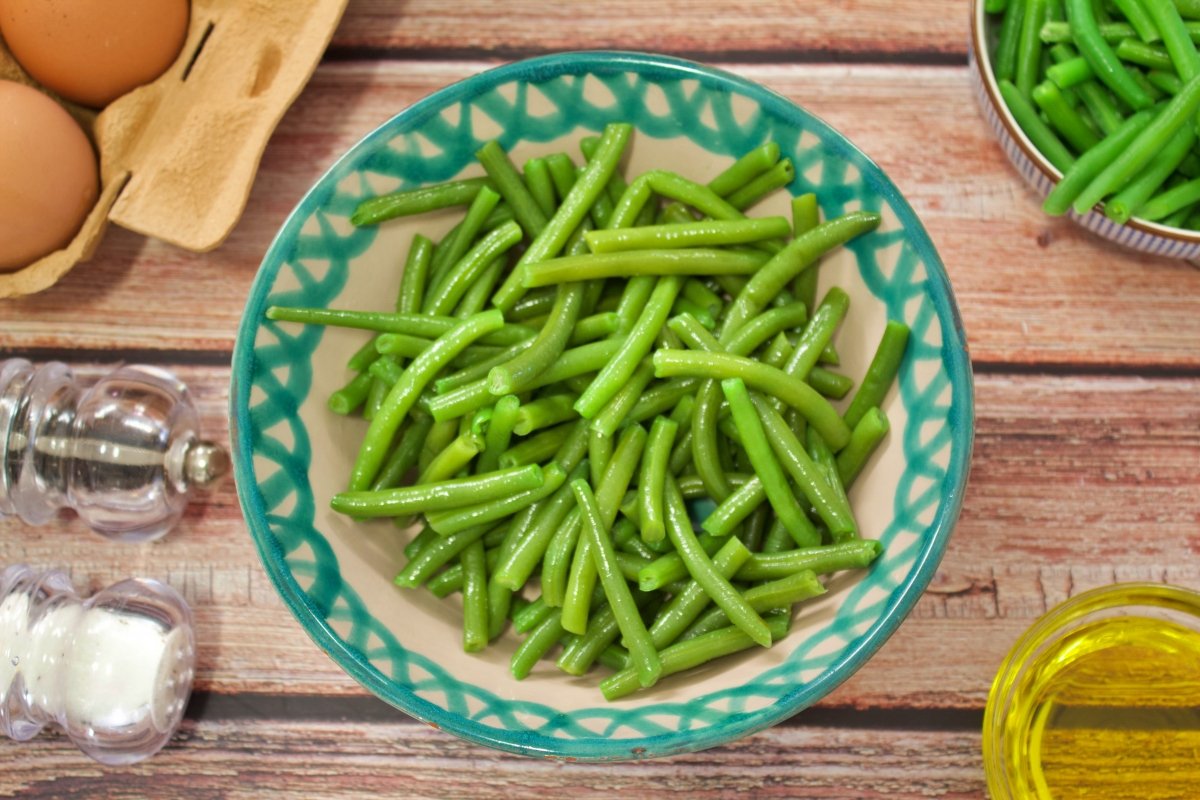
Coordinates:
1032	290
248	758
1077	482
772	30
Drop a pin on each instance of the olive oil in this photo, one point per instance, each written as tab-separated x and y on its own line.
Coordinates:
1105	706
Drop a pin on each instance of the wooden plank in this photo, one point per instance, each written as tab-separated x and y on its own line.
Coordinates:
1077	482
771	30
1032	290
248	758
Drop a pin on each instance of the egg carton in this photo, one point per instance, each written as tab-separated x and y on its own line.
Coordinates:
178	156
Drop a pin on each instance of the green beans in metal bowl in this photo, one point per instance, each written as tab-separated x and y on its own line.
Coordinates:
601	406
1095	105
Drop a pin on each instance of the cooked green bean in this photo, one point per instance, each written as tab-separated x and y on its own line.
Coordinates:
620	599
830	505
701	233
512	188
435	555
745	169
597	326
653	477
416	272
662	398
547	347
403	396
544	412
735	508
878	379
687	605
348	398
575	205
766	465
685	655
823	560
865	437
425	327
534	646
406	453
776	594
453	458
540	185
527	551
793	391
826	464
445	296
450	494
800	253
777	177
633	349
622	264
417	201
818	334
830	384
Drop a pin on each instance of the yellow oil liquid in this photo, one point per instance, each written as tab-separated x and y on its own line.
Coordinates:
1111	711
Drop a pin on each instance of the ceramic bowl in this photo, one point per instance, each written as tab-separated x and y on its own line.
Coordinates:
1040	174
292	454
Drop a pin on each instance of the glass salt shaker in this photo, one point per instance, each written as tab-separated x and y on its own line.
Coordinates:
124	453
114	672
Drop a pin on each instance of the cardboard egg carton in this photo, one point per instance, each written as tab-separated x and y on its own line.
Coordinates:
178	156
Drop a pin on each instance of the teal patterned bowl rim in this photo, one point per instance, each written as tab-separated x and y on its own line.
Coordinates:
316	609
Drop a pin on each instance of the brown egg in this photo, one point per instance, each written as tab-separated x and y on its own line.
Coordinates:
48	176
94	51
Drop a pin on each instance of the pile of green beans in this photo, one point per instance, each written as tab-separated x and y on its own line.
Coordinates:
583	369
1109	92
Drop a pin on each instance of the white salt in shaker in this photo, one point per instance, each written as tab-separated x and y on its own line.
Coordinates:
114	672
124	453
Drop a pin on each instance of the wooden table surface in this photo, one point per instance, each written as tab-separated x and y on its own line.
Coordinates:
1087	451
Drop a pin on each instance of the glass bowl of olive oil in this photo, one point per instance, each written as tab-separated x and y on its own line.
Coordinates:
1100	699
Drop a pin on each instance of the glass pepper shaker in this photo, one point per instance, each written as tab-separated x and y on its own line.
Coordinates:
124	453
114	672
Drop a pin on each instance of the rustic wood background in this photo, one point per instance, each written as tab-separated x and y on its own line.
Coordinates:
1087	455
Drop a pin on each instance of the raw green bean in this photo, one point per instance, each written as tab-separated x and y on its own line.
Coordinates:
1172	200
1071	73
404	394
1005	61
633	349
745	169
1140	19
878	379
451	494
653	476
1124	204
1092	162
1029	47
417	201
1063	118
685	655
796	393
1043	138
620	599
1175	37
1100	55
1145	55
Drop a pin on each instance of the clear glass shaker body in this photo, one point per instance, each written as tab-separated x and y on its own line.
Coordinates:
114	672
123	453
